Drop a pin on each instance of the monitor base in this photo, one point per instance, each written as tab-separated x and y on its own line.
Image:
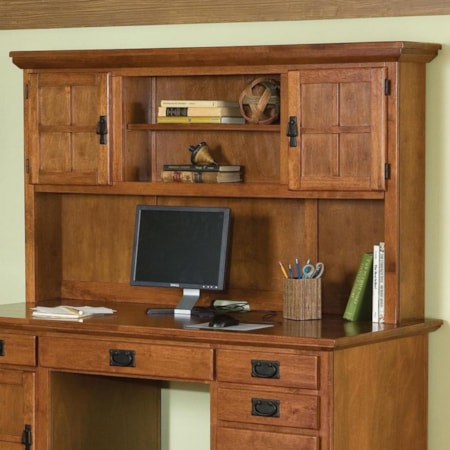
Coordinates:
185	307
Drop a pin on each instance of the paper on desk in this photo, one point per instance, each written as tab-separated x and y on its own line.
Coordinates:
70	312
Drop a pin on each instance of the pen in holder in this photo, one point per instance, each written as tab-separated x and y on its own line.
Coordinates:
302	298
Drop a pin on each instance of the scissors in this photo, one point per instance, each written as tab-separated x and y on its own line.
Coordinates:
313	271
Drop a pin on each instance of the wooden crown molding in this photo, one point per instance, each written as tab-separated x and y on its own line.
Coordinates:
29	14
177	58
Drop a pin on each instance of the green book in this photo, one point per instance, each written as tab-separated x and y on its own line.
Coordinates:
359	305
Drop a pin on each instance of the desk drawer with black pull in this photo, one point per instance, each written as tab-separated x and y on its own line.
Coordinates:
17	349
289	369
265	407
179	362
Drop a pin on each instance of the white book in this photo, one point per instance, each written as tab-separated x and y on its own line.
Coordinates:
376	283
202	111
199	103
381	293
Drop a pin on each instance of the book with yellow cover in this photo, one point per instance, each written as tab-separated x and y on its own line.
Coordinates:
200	119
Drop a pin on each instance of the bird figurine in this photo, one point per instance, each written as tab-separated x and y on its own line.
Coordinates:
200	155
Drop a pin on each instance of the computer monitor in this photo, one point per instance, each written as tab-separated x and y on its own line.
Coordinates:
181	247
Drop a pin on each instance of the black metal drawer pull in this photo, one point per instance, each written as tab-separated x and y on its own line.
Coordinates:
122	358
27	439
265	408
292	131
265	369
2	347
102	129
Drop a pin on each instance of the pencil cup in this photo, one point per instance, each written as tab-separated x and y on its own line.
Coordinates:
302	299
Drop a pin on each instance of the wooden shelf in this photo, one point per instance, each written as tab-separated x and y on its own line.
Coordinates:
238	190
199	127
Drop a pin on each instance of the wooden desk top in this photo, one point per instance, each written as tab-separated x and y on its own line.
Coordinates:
130	321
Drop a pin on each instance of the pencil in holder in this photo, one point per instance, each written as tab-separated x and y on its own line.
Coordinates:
302	298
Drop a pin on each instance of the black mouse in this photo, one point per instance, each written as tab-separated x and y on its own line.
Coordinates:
222	321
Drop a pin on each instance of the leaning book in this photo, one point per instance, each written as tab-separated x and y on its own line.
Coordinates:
359	304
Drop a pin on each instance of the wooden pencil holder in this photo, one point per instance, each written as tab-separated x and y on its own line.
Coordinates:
302	298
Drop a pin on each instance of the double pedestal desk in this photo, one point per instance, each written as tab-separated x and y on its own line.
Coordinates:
307	385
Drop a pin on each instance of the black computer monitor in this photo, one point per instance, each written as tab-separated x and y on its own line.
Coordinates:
181	247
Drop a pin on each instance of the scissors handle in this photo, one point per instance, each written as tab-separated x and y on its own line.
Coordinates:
310	271
319	269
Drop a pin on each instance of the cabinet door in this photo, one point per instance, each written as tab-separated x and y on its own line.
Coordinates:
340	119
17	411
68	140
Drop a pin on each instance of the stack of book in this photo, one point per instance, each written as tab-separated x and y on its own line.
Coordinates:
188	173
199	111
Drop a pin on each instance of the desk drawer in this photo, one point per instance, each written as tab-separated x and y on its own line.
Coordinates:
17	349
274	408
179	362
231	439
270	369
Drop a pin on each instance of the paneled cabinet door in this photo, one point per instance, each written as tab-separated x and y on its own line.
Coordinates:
17	411
337	123
68	140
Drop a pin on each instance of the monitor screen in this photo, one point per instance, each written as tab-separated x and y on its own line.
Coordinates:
182	247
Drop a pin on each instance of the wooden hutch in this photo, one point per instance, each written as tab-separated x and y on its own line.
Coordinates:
353	176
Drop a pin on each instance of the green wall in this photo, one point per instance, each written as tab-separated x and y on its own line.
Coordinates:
188	421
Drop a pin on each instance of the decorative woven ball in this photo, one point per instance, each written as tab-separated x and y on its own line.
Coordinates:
260	101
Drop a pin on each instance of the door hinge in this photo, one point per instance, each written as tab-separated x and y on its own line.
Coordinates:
25	92
27	166
387	171
27	438
387	86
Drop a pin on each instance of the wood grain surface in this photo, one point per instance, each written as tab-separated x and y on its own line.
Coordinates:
25	14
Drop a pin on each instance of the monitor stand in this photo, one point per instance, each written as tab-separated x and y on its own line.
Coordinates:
184	308
187	302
